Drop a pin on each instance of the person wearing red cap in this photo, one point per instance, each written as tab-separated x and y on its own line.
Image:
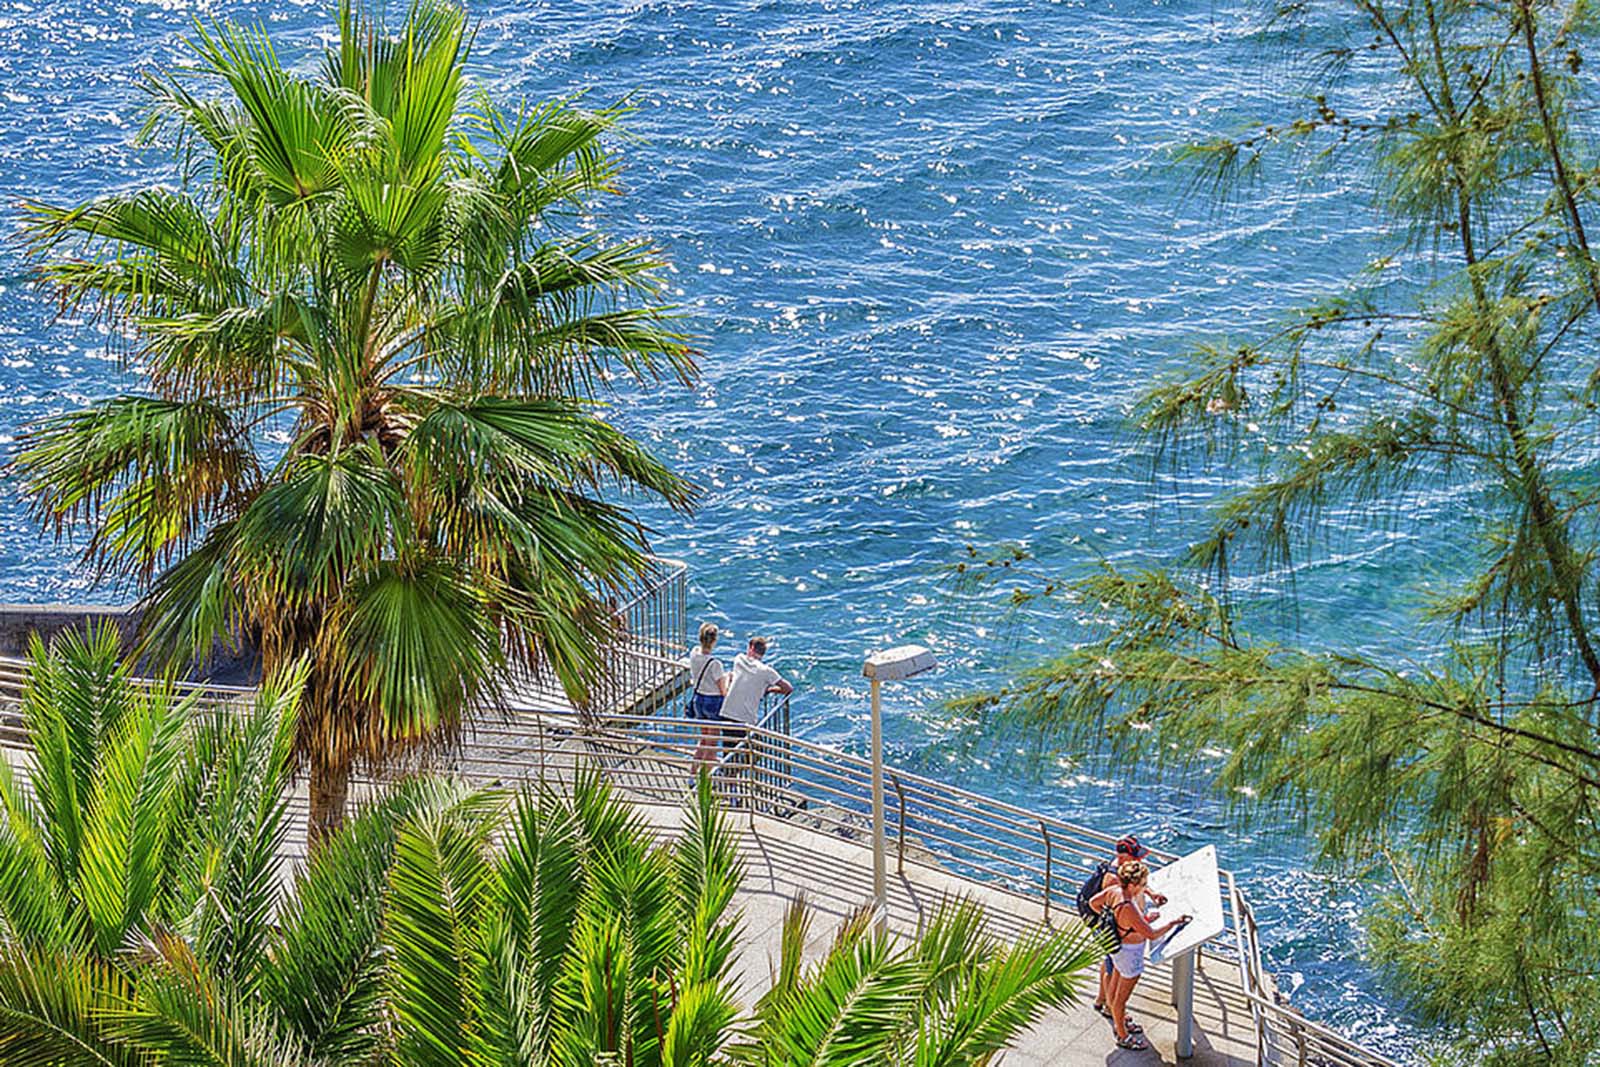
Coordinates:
1125	904
1127	848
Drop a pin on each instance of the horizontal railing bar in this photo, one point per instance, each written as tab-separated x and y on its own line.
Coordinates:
835	756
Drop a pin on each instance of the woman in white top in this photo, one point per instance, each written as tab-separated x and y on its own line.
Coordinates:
709	685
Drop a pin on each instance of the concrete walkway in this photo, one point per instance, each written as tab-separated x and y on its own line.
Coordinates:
782	860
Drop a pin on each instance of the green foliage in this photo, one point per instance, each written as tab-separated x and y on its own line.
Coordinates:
1463	772
374	326
439	925
954	995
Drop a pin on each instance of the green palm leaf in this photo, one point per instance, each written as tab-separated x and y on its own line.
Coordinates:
300	536
53	1008
148	473
708	871
227	874
296	130
32	911
982	996
325	976
195	604
130	819
181	1016
541	880
72	702
420	642
851	1008
439	886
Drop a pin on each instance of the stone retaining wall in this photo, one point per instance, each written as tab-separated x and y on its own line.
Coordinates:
19	622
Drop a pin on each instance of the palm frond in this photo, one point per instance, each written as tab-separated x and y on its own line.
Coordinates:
76	695
170	228
228	873
708	871
325	977
296	129
541	880
984	1002
146	475
853	1007
299	538
439	886
32	911
130	819
699	1025
419	644
181	1016
53	1009
194	605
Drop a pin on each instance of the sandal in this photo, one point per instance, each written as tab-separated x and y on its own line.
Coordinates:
1133	1042
1133	1027
1100	1007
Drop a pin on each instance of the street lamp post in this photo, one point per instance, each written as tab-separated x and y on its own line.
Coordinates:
890	665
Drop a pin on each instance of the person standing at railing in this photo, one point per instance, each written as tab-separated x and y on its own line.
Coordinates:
751	679
1125	902
1103	877
709	691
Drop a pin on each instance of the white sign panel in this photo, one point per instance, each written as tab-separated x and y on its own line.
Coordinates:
1192	887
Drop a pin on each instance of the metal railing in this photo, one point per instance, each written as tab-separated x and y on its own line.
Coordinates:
644	667
641	667
1284	1037
651	759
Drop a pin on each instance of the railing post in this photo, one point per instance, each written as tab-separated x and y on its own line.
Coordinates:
1044	832
1183	1000
900	834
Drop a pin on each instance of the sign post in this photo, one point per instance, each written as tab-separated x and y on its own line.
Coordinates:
1192	887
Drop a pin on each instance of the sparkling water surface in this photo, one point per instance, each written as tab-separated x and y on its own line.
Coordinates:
930	251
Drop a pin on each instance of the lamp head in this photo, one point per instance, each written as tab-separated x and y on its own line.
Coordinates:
893	664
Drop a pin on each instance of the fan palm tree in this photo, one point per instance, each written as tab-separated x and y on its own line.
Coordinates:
372	326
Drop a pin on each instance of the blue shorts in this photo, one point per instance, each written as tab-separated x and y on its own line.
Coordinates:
706	707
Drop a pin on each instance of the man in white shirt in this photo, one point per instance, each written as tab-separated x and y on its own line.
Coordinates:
748	682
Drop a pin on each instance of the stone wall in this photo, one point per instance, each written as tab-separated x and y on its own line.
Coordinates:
18	622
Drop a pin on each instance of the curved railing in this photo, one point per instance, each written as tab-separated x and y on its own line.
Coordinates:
651	759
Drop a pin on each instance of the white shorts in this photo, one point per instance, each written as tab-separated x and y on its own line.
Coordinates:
1129	960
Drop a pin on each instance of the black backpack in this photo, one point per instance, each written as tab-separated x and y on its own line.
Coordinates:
1090	887
1104	922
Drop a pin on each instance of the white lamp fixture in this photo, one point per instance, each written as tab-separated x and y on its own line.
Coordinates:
897	663
891	665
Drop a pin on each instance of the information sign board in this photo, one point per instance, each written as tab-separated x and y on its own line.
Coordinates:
1192	887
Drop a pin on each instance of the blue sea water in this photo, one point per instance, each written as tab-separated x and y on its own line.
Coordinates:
930	251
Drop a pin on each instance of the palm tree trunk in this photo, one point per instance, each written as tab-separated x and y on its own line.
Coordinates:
329	787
